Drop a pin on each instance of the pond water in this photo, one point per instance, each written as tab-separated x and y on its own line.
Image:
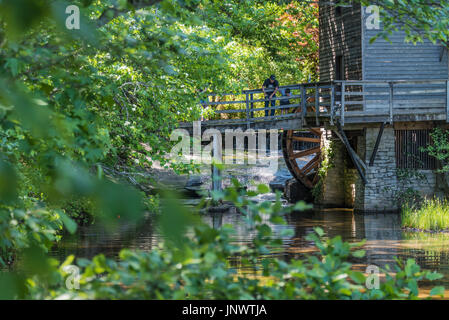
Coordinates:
385	239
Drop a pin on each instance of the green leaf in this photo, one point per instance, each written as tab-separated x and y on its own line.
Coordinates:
263	188
13	65
345	291
434	276
437	291
357	277
302	206
69	224
359	253
319	231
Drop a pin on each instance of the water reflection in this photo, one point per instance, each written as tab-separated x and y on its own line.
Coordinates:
385	238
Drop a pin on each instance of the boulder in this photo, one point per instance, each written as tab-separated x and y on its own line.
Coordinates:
193	186
295	191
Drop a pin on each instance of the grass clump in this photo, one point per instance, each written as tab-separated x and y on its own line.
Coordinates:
431	214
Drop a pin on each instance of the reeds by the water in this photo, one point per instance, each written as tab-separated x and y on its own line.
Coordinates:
431	215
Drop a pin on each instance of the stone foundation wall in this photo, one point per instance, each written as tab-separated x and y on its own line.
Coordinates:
339	184
350	178
359	187
333	196
381	191
343	187
425	185
381	178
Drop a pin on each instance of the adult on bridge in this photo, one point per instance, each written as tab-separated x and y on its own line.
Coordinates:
269	88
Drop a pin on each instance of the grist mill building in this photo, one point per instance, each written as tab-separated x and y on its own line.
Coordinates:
356	136
395	93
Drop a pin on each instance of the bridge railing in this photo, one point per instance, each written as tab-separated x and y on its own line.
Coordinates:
252	106
346	100
386	100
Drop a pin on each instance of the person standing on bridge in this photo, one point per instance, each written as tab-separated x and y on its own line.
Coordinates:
269	88
285	100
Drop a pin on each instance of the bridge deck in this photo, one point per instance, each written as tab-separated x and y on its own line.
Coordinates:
318	104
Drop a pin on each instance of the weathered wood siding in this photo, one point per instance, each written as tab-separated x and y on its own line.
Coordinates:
340	35
399	60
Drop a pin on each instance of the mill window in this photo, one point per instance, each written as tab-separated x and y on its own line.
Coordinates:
408	145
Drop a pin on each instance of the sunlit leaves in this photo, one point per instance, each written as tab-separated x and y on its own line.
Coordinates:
417	18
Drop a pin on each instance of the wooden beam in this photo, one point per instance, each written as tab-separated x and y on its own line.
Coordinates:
317	131
307	139
314	164
356	156
248	125
447	100
317	105
413	125
305	153
391	102
376	146
352	153
316	158
303	102
332	104
342	111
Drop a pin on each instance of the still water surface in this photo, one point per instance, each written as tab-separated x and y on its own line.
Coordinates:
385	238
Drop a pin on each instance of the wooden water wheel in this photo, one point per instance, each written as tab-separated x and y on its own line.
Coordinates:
302	154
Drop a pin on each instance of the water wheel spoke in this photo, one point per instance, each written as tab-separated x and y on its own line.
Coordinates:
316	131
305	153
302	143
310	168
313	164
306	181
306	139
315	179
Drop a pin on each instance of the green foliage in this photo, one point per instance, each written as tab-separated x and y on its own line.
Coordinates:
80	210
36	227
82	111
440	148
198	267
327	154
419	19
405	193
430	215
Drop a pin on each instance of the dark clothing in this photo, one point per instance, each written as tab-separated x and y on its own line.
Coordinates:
270	86
285	101
267	102
269	89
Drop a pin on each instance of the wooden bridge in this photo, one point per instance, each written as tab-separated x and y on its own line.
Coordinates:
322	104
338	105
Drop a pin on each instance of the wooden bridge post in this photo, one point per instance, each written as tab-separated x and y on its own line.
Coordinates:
248	125
332	104
391	101
252	104
342	111
303	102
447	100
317	105
217	157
